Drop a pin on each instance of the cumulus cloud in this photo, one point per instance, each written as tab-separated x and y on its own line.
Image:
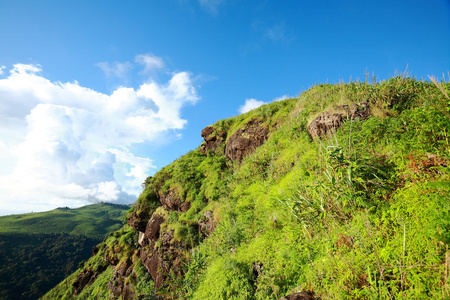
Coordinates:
150	62
68	145
250	104
284	97
1	69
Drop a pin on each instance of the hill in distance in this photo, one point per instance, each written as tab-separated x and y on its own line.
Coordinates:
340	193
38	250
90	220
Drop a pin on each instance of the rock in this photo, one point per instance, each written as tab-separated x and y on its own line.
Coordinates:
245	140
212	140
141	238
128	293
117	284
327	123
172	202
153	227
257	269
110	258
86	277
136	222
206	225
151	260
305	295
166	259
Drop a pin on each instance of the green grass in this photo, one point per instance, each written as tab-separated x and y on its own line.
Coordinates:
38	250
91	220
362	214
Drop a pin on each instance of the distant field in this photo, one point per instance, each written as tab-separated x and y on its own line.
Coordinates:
38	250
91	220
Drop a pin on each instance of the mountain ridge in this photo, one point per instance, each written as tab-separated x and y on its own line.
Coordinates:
38	250
341	192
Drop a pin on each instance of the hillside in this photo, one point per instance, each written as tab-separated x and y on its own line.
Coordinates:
341	193
91	220
38	250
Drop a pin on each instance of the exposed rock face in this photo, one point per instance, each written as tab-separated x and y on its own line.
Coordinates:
305	295
110	258
136	222
117	283
212	140
162	260
172	202
327	123
245	140
85	278
153	228
206	225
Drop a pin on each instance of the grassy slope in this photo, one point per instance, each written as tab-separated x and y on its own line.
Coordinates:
91	220
39	249
363	214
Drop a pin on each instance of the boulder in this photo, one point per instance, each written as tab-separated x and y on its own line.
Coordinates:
164	260
327	122
172	202
86	277
305	295
212	140
117	284
206	225
153	227
137	222
245	140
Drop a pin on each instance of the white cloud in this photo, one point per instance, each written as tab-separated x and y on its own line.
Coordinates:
1	69
68	145
211	5
150	62
116	69
276	32
284	97
250	104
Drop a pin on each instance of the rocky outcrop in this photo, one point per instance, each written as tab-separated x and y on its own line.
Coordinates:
136	222
85	278
171	201
110	257
153	228
245	140
117	284
206	225
164	259
327	123
305	295
212	140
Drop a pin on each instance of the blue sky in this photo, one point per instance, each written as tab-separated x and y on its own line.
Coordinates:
97	95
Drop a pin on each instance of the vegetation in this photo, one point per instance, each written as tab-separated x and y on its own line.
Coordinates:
38	250
91	220
362	213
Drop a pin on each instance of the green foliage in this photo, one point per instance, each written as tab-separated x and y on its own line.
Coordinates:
91	220
361	214
226	279
39	261
49	246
